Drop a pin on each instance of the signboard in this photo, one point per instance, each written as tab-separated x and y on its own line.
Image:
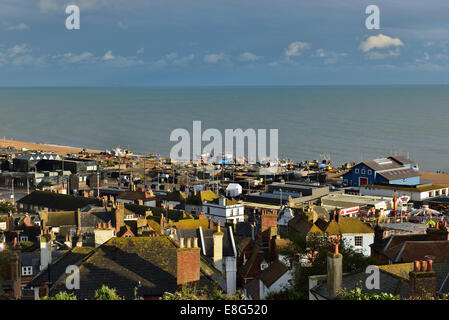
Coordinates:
349	211
404	199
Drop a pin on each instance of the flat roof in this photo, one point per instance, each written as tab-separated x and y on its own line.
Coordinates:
418	188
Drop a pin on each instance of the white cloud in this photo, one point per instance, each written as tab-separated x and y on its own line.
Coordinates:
140	51
295	49
171	56
380	42
184	60
108	56
19	27
329	56
376	55
75	58
248	57
122	25
214	57
18	49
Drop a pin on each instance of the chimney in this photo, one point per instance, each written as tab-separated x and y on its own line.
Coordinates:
267	221
119	216
68	241
334	271
218	248
437	233
222	201
45	241
253	231
188	263
423	280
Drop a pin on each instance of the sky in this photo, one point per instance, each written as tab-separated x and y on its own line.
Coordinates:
218	42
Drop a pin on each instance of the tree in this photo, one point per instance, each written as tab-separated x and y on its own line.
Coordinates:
193	293
6	206
61	296
314	249
106	293
357	294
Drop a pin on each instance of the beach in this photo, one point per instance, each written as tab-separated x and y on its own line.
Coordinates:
60	150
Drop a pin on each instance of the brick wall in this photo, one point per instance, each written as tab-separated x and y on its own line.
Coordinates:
188	265
267	221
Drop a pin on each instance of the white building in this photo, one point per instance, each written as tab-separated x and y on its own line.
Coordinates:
284	216
233	190
224	210
416	193
273	278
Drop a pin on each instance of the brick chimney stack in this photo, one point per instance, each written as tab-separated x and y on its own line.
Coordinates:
119	216
334	271
188	262
438	233
423	280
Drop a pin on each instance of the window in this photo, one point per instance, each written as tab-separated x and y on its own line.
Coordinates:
357	171
27	271
358	241
129	217
2	225
369	172
363	171
23	238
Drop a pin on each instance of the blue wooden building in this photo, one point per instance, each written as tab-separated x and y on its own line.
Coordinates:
396	169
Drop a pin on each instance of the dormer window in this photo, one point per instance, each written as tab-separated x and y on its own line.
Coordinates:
27	271
263	265
23	238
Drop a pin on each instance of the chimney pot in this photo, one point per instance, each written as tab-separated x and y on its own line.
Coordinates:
99	225
218	226
189	243
195	242
416	266
15	241
429	265
423	266
181	242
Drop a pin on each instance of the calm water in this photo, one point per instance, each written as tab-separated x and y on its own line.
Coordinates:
348	123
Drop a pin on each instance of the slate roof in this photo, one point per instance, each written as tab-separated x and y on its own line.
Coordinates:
400	159
399	174
417	250
60	261
208	243
271	274
394	278
61	218
56	201
121	263
252	287
91	219
376	166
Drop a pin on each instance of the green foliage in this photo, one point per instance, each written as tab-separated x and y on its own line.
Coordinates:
192	293
61	296
27	246
6	206
106	293
314	249
357	294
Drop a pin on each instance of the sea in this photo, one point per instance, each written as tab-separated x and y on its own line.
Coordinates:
343	123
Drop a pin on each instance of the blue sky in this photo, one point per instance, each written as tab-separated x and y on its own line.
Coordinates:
216	42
